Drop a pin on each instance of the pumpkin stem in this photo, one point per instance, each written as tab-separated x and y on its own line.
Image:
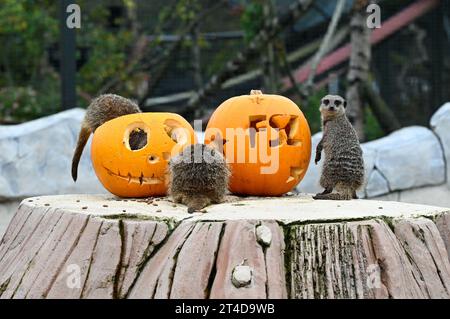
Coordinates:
256	92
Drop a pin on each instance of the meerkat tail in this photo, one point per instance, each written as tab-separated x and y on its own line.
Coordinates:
83	137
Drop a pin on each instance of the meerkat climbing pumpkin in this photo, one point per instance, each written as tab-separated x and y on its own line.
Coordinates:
102	109
343	168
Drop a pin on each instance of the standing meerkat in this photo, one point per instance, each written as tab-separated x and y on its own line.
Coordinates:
198	177
343	168
102	109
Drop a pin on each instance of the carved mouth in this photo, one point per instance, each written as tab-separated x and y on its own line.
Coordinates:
141	180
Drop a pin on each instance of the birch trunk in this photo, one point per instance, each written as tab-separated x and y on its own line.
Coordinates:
359	67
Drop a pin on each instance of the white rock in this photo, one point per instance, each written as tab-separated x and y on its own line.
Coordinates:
36	158
410	157
310	183
242	276
431	195
264	235
376	185
440	123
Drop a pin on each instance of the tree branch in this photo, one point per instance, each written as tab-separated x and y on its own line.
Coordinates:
270	29
165	59
324	46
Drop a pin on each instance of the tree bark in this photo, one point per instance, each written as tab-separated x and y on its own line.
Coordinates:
269	61
359	67
80	246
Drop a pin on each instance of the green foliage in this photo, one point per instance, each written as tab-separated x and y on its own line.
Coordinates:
27	28
252	19
29	85
372	128
311	111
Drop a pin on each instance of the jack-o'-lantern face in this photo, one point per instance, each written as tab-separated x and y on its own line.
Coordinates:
130	154
266	141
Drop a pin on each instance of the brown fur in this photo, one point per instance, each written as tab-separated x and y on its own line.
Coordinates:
102	109
198	177
343	169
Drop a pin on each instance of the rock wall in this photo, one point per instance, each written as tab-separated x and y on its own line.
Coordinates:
409	165
35	159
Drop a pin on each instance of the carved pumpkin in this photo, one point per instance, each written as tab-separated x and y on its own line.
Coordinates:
266	140
130	153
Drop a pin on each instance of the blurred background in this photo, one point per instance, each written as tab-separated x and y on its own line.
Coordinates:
162	52
188	56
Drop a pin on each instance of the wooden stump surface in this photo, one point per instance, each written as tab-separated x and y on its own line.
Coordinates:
80	246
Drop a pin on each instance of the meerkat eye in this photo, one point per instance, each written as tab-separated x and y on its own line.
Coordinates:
337	102
326	101
345	103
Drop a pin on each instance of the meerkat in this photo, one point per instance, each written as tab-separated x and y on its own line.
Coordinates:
102	109
343	168
198	177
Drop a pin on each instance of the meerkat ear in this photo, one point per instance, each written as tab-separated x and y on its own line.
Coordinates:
345	104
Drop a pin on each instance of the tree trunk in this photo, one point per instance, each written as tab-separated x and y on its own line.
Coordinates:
270	70
289	247
384	115
359	67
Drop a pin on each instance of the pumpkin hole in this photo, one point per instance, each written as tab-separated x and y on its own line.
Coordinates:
291	130
274	143
256	123
279	121
294	142
175	131
153	159
292	127
295	174
135	137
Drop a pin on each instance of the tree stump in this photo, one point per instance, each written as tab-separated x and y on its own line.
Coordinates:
289	247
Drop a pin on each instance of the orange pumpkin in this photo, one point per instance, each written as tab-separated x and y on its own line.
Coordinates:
130	154
266	140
